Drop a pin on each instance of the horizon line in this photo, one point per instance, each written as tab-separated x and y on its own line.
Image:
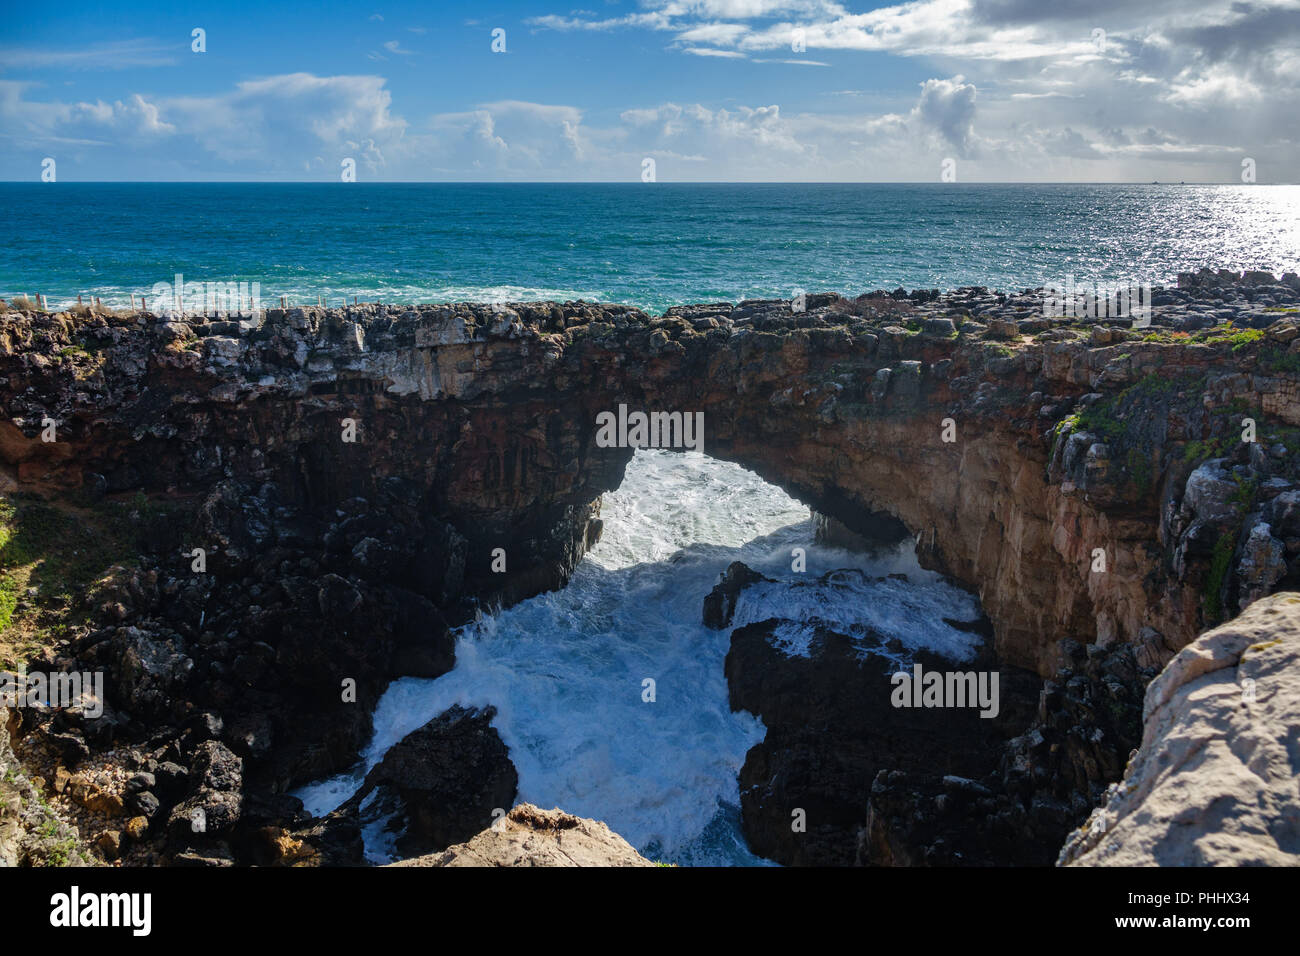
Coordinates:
622	182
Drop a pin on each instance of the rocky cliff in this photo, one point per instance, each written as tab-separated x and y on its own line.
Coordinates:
333	490
1215	780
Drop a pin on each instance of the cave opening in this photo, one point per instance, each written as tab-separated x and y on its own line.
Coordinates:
611	693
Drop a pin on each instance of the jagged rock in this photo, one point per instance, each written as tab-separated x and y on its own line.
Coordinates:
440	784
1046	780
720	604
529	836
109	844
1214	781
831	727
1209	492
1002	329
1262	565
216	799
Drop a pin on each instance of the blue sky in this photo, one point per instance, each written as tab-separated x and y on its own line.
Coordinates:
1001	90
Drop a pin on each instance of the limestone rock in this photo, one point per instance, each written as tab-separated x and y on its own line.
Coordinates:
1214	782
529	836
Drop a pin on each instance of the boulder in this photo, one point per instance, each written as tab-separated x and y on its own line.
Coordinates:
439	784
529	836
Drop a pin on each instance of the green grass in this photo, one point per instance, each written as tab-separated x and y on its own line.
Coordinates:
1139	467
62	551
1244	496
1099	418
1110	417
1204	449
1277	360
1226	334
1219	564
1243	338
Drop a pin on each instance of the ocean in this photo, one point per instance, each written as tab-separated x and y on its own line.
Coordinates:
651	245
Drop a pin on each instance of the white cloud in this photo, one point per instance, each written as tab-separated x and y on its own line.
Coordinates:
1215	75
1181	89
112	55
948	106
707	51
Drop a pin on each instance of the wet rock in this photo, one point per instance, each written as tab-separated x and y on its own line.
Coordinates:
720	604
440	784
831	727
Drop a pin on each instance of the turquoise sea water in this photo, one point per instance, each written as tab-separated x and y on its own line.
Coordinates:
652	245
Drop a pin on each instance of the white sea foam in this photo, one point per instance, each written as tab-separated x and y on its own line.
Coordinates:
335	295
565	670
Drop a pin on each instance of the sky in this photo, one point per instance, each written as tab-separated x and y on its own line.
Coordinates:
684	90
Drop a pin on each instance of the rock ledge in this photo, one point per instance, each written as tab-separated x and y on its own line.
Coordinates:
530	836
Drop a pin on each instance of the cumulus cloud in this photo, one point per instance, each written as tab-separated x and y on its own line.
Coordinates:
269	122
948	106
1218	76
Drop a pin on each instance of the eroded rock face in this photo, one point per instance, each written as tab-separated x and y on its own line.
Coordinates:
475	428
1214	782
1046	780
529	836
